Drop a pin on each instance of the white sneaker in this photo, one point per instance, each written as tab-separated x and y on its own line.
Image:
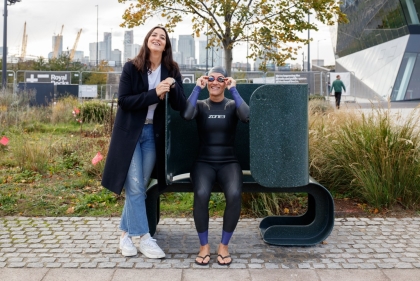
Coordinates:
149	248
127	247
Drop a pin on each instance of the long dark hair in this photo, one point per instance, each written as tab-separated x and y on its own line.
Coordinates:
142	60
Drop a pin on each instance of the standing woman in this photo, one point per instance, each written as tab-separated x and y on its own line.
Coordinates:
137	144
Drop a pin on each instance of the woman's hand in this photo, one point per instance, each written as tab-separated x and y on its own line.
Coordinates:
202	81
230	82
171	81
163	88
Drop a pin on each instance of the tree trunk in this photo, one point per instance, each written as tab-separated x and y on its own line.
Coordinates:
228	60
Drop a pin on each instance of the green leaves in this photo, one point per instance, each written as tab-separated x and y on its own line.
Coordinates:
229	21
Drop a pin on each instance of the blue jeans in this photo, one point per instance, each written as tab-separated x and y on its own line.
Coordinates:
134	218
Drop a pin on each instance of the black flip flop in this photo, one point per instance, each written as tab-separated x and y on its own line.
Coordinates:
203	258
223	258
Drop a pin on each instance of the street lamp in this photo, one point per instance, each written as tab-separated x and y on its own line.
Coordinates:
4	70
309	43
97	41
317	55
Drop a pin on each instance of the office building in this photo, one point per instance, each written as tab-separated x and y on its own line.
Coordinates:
380	47
212	56
116	57
101	52
107	46
78	56
92	52
173	44
57	42
186	45
128	42
177	56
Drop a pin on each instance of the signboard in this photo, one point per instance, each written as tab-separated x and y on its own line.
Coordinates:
88	91
57	77
290	78
188	77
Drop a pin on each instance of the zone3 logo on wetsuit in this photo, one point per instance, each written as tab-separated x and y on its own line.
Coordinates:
217	116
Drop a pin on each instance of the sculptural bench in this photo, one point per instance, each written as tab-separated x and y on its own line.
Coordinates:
273	153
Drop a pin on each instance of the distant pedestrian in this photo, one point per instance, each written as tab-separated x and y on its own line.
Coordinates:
338	86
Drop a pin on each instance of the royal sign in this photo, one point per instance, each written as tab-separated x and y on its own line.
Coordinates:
57	77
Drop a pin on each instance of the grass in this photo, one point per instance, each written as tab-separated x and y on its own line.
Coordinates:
46	168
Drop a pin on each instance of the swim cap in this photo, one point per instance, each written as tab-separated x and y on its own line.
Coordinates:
217	69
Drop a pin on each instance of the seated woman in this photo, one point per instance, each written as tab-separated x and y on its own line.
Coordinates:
216	119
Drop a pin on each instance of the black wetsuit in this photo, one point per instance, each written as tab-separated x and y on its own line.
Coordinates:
216	161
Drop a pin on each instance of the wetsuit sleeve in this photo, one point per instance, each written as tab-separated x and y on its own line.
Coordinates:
242	109
190	110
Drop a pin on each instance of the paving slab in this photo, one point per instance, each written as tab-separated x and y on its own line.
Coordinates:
284	274
355	243
352	275
406	275
75	274
148	274
20	274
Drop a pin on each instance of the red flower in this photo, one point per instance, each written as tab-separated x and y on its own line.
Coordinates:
4	141
98	157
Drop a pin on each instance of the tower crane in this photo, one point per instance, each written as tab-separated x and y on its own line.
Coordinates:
24	43
75	45
58	40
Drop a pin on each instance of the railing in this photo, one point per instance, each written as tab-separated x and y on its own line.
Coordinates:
316	80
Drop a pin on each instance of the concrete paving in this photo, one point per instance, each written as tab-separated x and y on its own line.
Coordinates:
82	248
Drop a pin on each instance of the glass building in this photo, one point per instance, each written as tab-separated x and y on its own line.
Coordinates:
380	46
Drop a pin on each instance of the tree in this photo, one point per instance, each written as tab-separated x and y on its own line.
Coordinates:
99	75
267	25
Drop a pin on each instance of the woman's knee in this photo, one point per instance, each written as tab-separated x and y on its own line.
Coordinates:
202	197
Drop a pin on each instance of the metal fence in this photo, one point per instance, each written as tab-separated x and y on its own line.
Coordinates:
317	80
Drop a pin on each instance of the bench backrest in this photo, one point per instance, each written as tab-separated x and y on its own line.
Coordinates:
182	136
279	135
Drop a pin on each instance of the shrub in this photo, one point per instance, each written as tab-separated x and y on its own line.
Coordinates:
94	111
13	107
62	109
316	97
374	157
269	204
319	106
30	154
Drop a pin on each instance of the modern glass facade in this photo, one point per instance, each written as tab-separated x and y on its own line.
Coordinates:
372	22
385	35
407	83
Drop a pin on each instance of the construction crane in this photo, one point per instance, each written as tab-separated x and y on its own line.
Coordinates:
24	43
75	45
58	40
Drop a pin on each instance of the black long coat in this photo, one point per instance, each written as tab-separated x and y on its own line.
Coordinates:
133	101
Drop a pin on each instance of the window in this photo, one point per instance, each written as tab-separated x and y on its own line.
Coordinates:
411	11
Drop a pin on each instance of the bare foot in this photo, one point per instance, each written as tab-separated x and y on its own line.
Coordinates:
223	257
203	257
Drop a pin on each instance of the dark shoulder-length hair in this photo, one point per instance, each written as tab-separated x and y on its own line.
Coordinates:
143	57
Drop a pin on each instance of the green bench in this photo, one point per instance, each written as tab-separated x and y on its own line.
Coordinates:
273	153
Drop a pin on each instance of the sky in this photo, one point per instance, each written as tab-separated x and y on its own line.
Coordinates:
44	19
